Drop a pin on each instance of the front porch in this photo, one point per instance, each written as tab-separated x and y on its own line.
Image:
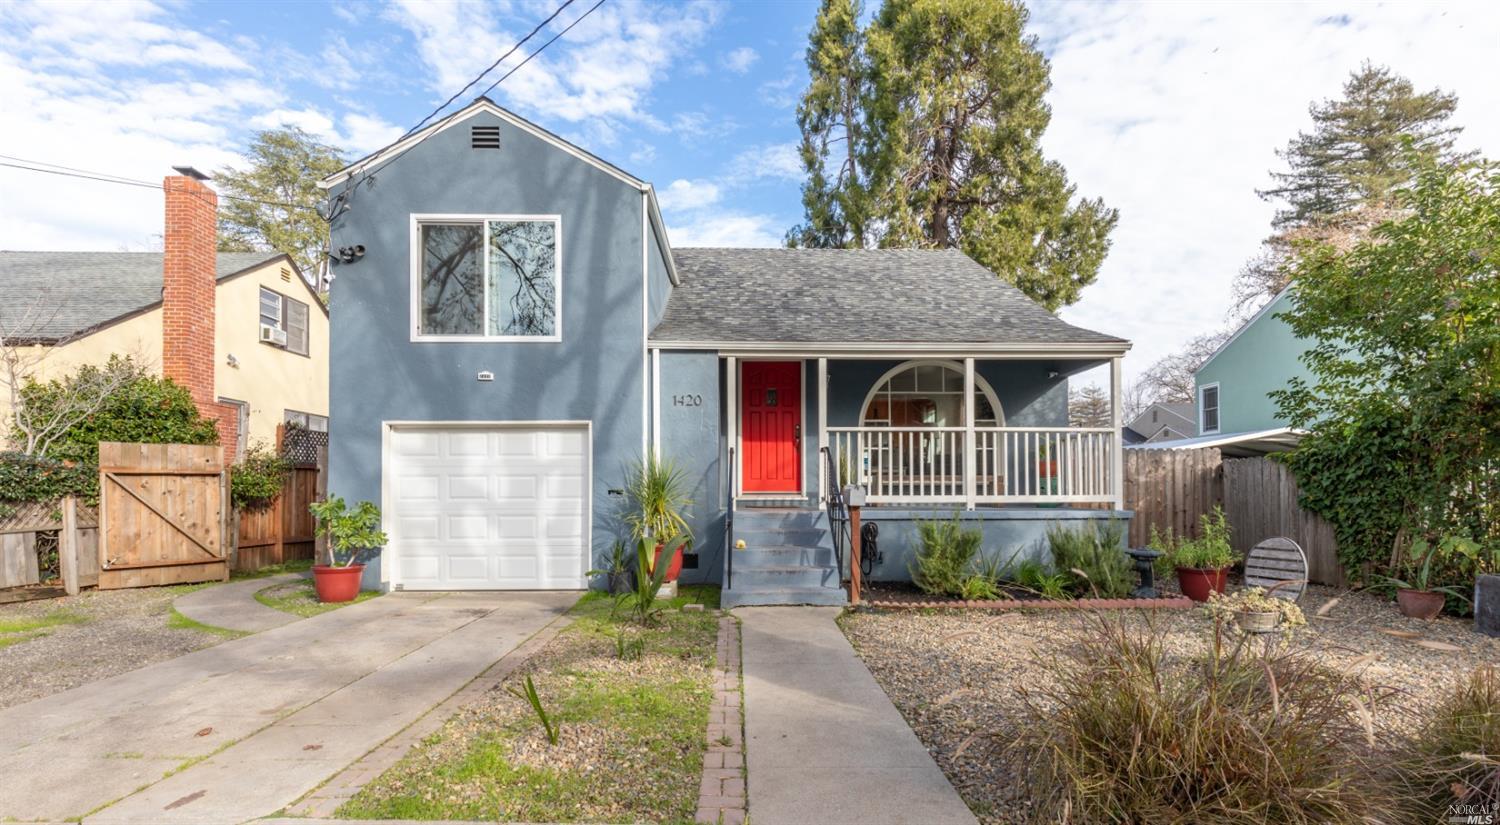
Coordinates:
930	432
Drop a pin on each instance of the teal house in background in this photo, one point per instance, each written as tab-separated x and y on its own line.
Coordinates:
1233	386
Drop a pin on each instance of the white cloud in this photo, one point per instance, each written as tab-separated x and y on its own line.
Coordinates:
308	120
1172	112
777	161
695	127
688	194
364	134
740	60
602	72
123	33
726	229
783	92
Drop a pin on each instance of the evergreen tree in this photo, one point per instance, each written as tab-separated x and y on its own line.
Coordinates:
940	106
1089	406
1342	176
283	166
830	117
1354	155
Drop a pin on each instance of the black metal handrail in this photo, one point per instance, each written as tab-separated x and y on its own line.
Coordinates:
838	511
729	524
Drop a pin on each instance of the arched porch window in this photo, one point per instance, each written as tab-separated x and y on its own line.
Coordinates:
928	394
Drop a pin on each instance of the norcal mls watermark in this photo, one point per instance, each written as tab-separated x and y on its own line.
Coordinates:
1466	813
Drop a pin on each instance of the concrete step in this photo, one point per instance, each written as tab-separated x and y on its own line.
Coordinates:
775	519
795	536
784	578
736	597
783	556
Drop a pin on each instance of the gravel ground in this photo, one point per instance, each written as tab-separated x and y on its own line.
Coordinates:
954	674
119	631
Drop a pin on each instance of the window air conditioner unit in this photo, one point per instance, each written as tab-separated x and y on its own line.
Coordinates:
272	335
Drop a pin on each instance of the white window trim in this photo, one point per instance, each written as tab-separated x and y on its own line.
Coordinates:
415	278
1218	408
282	316
981	386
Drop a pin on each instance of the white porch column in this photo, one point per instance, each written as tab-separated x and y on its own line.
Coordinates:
823	480
970	454
732	420
1117	443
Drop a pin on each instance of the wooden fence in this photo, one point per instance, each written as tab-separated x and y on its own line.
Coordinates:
76	530
285	531
163	512
1260	500
1173	489
1170	490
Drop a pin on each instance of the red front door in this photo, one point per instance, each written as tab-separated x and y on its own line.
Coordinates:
771	426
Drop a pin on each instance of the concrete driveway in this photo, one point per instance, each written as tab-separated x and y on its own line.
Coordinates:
240	730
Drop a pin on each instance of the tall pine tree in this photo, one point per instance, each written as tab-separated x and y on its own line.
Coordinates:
1354	155
939	107
1341	176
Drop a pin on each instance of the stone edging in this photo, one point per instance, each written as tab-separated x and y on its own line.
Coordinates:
721	795
1178	603
326	798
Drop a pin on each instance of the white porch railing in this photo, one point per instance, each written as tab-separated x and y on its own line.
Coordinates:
1011	465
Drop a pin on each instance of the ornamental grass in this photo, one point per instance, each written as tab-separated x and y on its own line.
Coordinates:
1127	731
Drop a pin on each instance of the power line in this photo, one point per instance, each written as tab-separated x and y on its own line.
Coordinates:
105	177
544	45
345	199
480	76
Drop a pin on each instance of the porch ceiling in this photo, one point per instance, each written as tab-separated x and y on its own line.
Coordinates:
859	301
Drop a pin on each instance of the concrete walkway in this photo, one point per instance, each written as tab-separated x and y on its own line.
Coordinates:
822	742
233	605
240	730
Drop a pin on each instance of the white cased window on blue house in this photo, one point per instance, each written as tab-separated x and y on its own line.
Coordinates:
487	278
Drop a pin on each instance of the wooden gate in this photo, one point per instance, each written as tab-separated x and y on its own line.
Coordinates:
162	511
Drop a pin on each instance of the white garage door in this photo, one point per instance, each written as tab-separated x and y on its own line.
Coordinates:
488	508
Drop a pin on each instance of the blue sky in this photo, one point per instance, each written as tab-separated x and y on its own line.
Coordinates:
1169	111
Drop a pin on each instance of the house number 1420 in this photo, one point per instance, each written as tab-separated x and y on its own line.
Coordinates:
687	400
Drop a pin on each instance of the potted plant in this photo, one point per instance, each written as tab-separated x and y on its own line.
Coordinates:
657	495
347	533
1203	563
1255	610
1416	597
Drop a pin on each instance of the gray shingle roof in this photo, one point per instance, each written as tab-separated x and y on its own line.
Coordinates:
853	296
47	296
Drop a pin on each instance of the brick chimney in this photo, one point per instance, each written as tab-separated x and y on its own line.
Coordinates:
189	267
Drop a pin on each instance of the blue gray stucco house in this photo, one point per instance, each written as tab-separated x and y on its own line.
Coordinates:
511	329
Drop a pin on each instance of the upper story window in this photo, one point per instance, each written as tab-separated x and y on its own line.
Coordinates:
283	321
1208	409
484	277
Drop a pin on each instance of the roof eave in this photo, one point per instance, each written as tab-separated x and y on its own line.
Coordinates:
482	104
1069	350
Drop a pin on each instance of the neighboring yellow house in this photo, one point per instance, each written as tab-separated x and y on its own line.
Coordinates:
270	330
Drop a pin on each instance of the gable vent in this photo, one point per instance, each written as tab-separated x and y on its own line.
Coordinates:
286	275
484	137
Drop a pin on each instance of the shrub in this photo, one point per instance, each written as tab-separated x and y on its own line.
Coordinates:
256	480
1095	552
1211	550
143	408
26	478
947	555
1127	733
1455	758
1034	576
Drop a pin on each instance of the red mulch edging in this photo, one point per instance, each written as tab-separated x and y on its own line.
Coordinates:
1177	603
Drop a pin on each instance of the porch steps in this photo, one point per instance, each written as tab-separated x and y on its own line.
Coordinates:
788	559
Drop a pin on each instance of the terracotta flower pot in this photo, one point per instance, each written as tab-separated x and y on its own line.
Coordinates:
337	584
1198	583
674	568
1419	604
